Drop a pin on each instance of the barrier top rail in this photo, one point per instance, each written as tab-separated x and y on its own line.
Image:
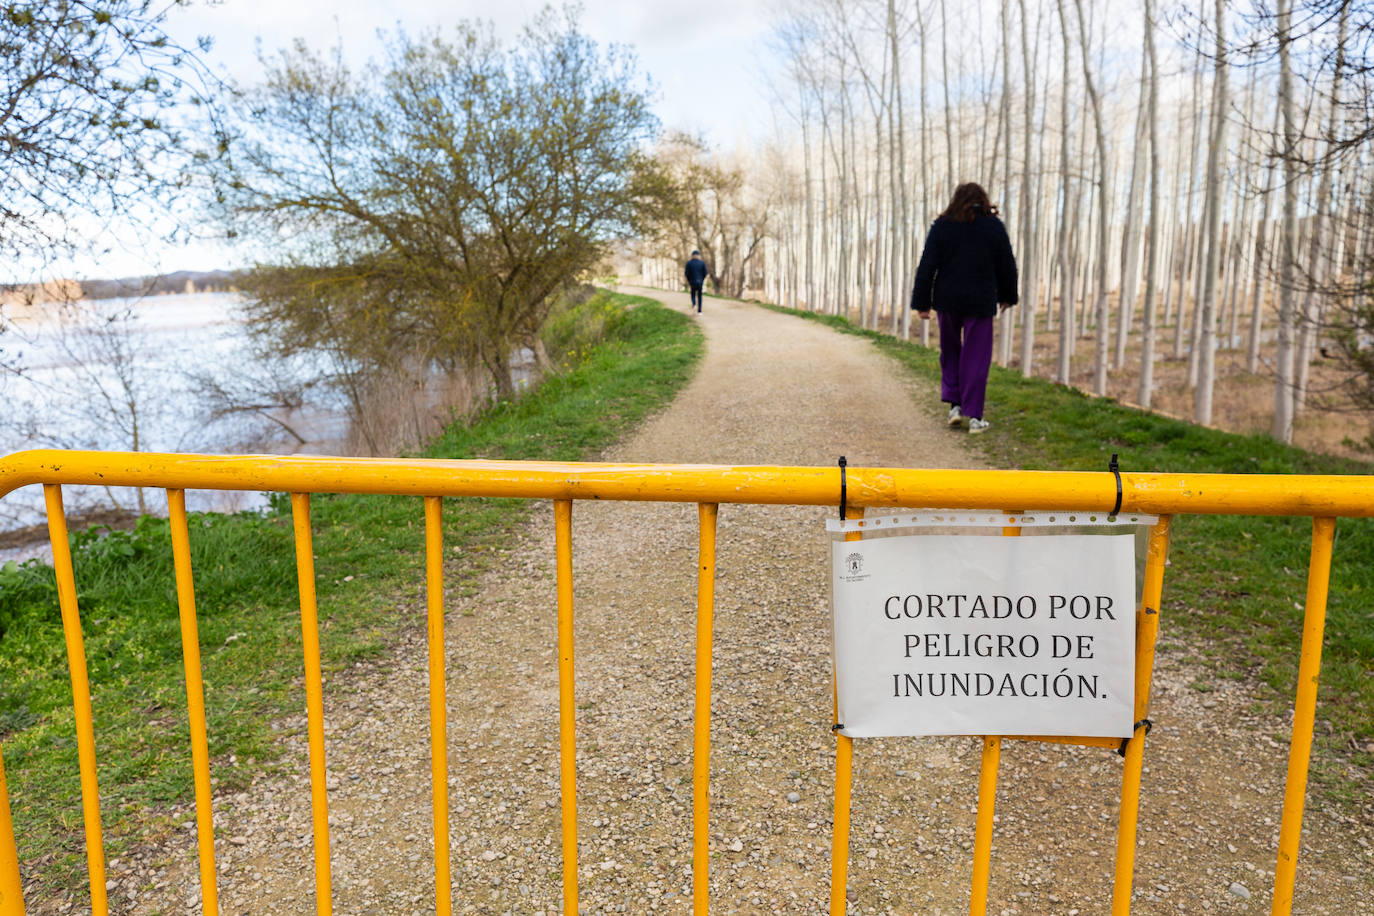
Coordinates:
1089	491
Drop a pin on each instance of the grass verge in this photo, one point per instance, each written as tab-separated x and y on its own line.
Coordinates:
369	570
1233	595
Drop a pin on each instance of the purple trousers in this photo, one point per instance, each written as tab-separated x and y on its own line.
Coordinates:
965	354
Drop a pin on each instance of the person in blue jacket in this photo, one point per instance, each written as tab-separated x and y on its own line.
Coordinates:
967	271
696	276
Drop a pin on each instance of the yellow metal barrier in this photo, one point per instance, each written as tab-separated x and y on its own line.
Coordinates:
1166	495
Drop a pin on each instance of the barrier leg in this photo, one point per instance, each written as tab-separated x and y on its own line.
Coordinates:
11	891
438	703
81	695
987	805
701	751
844	779
195	699
314	699
567	711
1304	713
1147	629
982	835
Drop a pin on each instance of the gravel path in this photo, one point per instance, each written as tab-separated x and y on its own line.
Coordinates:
771	390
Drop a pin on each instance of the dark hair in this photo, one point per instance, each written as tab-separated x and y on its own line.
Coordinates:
969	200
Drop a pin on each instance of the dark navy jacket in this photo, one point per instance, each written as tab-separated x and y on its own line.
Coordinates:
696	271
966	268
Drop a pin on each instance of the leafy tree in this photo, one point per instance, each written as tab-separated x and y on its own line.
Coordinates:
713	210
89	91
436	203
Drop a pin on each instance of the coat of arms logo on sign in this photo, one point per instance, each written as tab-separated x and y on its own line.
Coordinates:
969	635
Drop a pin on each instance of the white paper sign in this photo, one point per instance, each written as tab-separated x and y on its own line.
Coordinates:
971	635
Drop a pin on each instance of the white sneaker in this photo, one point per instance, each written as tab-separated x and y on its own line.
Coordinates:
955	416
977	425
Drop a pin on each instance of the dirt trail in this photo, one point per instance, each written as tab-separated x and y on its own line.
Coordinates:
774	390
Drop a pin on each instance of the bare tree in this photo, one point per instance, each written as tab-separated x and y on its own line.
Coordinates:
1145	389
1066	218
105	395
1131	235
1284	357
1103	220
1029	255
1207	341
715	211
1320	244
1195	235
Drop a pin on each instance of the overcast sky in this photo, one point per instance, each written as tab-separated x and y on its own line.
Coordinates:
705	58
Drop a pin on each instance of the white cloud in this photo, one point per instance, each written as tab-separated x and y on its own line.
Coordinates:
703	56
704	59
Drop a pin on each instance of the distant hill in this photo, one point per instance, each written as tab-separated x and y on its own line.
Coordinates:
181	281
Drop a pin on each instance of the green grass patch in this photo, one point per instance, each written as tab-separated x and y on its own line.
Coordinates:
1234	591
623	357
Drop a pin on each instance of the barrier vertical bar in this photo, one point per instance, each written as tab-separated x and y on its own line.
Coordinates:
987	805
707	514
438	703
81	695
567	711
844	781
195	698
11	890
314	698
982	834
1304	713
1147	629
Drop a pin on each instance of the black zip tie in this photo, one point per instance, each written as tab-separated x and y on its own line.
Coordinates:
844	496
1115	469
1125	741
844	505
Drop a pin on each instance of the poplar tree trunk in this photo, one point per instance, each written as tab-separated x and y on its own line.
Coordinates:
901	219
1130	254
1028	254
1101	340
1145	390
1066	310
827	299
1186	249
1311	318
1008	317
951	172
923	206
1207	343
894	227
1258	284
810	216
1283	358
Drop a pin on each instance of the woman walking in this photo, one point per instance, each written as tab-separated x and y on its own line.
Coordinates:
967	270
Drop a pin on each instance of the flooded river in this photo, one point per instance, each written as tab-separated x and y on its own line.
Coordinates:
125	374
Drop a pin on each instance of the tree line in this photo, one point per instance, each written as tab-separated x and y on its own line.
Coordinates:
1177	180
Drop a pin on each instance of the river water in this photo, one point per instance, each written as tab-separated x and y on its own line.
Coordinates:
83	381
